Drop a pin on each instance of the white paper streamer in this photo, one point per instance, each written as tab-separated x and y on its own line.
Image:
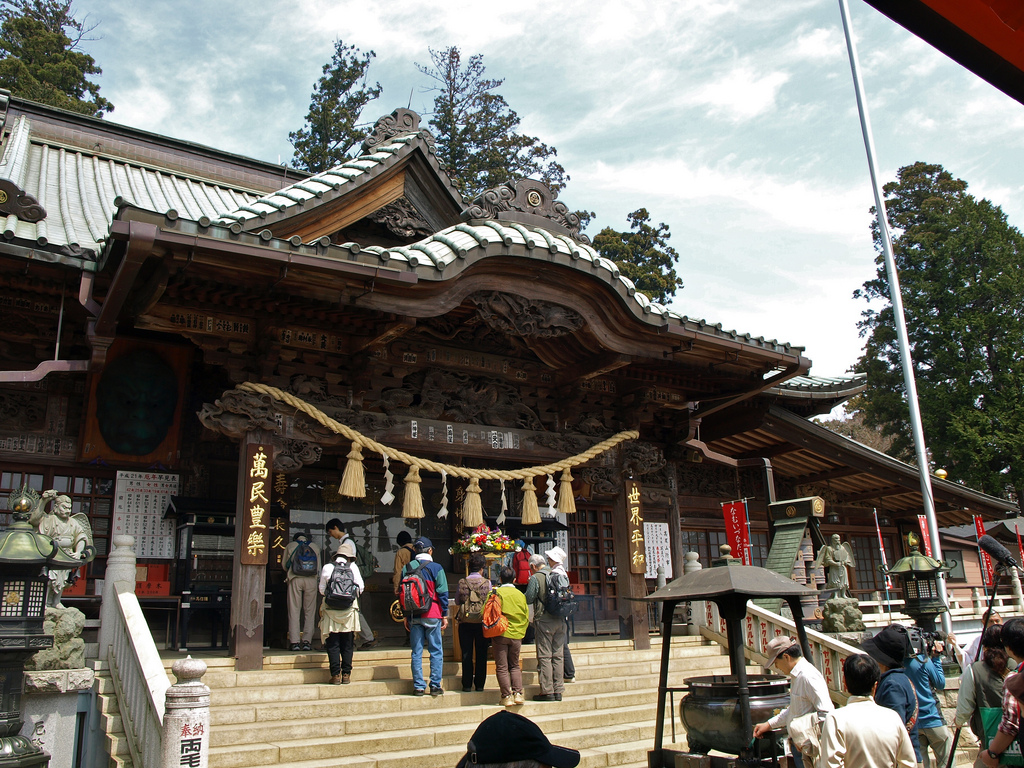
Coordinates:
552	499
389	483
443	511
504	504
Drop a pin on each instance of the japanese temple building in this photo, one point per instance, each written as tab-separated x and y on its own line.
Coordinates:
143	280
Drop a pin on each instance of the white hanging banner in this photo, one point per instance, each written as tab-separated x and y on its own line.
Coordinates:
504	504
552	499
443	511
389	483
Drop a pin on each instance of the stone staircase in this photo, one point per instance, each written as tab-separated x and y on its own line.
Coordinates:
286	716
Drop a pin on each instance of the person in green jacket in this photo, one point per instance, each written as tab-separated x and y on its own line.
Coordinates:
507	646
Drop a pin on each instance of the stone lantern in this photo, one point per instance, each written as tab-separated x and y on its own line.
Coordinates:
25	557
920	576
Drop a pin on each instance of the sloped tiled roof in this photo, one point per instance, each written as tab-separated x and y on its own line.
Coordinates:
336	181
80	192
828	386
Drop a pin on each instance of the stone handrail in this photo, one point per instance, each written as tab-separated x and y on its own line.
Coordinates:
139	679
760	626
136	669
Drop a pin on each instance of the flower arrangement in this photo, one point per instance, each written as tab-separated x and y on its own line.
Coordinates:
483	539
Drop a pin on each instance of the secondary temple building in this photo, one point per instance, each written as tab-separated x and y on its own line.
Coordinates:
147	284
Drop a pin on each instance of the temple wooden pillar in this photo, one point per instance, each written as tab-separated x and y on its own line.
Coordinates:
633	622
252	548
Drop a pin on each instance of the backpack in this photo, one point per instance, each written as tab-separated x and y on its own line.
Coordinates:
494	622
303	560
341	591
414	593
559	599
365	561
521	566
472	611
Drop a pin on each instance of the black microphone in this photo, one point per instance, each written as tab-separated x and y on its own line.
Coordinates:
996	551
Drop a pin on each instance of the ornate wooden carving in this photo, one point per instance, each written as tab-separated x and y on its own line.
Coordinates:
529	198
640	458
603	481
471	334
440	394
529	318
14	201
706	479
402	219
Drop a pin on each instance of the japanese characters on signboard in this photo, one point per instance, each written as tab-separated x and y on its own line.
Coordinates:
637	550
658	549
736	531
256	523
140	503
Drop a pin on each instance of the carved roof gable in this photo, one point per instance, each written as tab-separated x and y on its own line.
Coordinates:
397	181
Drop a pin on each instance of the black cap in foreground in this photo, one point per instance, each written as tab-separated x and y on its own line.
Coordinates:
507	737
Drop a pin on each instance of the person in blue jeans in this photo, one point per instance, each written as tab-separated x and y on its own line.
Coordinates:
426	629
925	671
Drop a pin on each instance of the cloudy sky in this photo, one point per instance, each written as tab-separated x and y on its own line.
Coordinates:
733	121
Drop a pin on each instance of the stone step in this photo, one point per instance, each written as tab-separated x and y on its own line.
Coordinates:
437	748
231	704
398	666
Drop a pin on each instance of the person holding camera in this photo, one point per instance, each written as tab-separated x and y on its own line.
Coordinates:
925	671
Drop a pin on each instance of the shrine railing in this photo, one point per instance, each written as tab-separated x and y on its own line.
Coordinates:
139	678
760	626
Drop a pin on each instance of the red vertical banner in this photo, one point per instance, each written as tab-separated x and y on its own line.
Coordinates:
1019	545
986	561
737	532
926	537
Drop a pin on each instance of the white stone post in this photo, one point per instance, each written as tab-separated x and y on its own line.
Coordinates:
878	599
976	599
120	571
187	717
691	563
1018	596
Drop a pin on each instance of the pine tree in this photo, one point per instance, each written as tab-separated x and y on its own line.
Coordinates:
961	268
332	129
477	132
643	255
39	59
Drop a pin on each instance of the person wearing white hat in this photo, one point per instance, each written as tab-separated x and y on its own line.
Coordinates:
549	629
808	691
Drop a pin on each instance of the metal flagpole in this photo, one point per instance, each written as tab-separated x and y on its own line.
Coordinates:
898	316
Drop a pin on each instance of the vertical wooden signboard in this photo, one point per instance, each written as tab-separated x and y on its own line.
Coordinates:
253	541
637	550
628	521
256	503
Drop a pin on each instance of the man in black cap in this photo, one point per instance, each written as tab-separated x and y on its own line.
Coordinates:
890	648
507	738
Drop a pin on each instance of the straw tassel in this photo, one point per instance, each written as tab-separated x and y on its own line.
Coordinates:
413	506
472	508
353	482
531	513
566	501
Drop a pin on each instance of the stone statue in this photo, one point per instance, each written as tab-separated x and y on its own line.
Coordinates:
837	559
72	533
